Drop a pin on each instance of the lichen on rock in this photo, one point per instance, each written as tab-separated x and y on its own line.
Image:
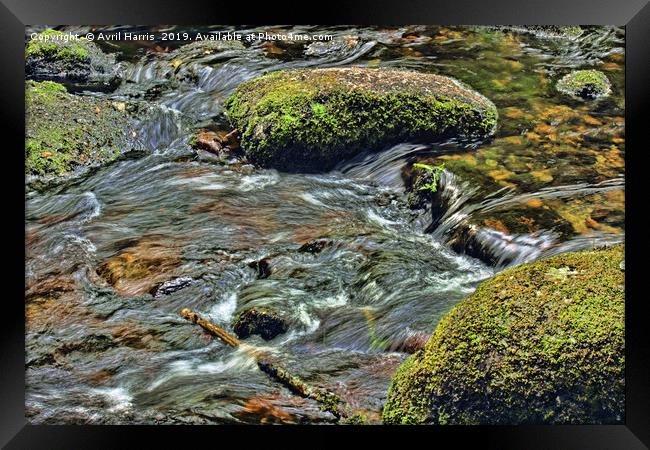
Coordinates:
585	84
310	119
539	343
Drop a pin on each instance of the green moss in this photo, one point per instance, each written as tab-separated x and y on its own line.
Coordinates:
587	84
44	88
356	419
539	343
65	131
48	45
57	56
312	119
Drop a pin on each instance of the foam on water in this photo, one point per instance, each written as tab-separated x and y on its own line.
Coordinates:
224	310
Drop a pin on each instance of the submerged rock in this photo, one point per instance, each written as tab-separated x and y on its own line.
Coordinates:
310	119
560	147
539	343
55	56
143	267
585	84
410	343
69	133
262	321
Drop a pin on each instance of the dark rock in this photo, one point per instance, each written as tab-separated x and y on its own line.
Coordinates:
262	266
315	246
262	321
419	198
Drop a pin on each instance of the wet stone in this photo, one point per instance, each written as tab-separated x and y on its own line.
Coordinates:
261	321
171	286
263	268
139	267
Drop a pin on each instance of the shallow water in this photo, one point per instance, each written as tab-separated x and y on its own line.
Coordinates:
102	353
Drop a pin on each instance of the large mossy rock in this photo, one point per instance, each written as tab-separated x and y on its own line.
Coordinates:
310	119
539	343
66	133
53	55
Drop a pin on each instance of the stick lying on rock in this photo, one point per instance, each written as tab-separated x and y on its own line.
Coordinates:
330	402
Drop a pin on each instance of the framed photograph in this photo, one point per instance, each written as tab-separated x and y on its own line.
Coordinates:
406	218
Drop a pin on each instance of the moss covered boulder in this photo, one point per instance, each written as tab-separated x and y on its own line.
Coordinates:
66	133
584	84
310	119
539	343
57	56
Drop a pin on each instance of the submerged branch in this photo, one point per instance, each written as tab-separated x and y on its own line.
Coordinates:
329	401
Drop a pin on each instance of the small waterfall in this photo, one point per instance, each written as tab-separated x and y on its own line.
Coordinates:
460	205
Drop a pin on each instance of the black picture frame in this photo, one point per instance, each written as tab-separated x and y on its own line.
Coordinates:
15	433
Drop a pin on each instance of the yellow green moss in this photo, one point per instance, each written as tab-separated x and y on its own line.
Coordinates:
57	56
64	131
587	84
311	119
538	343
48	45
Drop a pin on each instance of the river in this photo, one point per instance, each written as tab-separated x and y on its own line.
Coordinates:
102	353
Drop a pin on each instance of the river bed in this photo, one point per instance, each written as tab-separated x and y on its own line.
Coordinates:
119	352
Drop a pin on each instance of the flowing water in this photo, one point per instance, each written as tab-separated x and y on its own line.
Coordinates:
224	237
